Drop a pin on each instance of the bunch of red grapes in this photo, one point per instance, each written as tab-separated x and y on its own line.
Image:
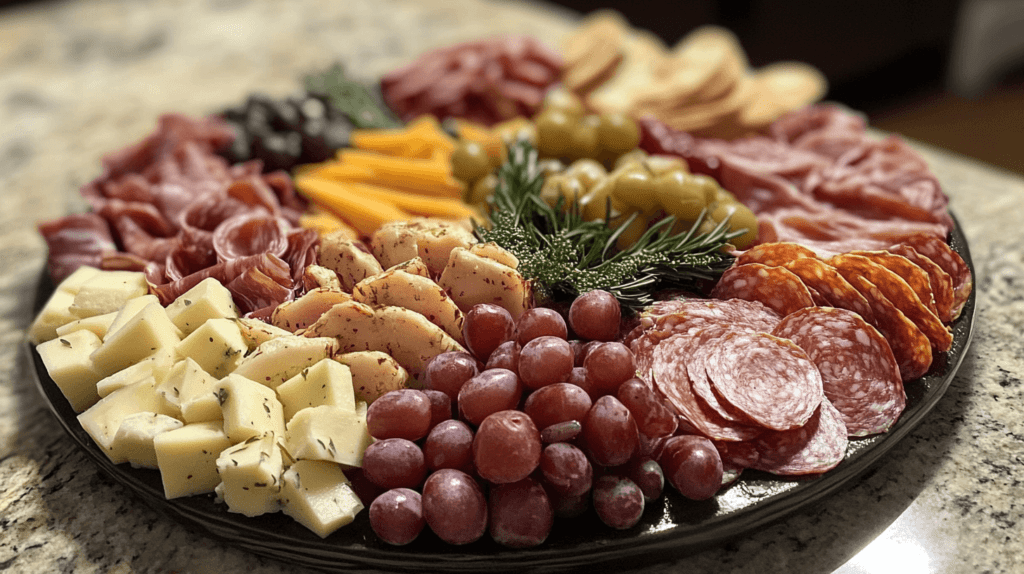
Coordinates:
529	426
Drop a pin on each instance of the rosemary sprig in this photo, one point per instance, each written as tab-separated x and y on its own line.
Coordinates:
564	255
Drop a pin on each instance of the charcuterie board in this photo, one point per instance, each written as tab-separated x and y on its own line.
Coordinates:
671	527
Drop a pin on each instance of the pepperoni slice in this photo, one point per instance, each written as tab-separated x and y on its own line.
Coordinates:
671	380
776	287
897	291
909	345
858	370
836	290
768	379
774	254
942	254
940	281
817	447
908	271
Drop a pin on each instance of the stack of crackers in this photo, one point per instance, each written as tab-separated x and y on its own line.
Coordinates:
703	85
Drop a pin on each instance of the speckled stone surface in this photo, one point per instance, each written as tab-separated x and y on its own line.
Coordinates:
81	79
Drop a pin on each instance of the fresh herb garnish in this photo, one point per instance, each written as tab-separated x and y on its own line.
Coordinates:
564	255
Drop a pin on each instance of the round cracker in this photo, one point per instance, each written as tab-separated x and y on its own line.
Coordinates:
780	88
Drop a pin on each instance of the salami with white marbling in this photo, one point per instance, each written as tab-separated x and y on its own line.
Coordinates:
775	287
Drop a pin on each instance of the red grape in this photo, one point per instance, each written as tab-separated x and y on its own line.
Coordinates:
609	432
693	466
647	475
520	514
506	447
653	418
394	463
596	315
618	501
454	506
538	322
583	350
544	361
506	356
440	406
485	327
557	403
403	413
489	392
609	365
396	516
448	371
561	432
566	469
449	445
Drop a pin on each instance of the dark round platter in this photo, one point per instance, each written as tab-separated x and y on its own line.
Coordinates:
671	527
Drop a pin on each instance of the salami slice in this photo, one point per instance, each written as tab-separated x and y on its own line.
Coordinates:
942	254
704	343
817	447
858	370
897	291
768	379
940	281
908	271
774	254
836	290
671	381
909	345
776	287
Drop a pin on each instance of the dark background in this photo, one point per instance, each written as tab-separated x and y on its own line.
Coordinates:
888	58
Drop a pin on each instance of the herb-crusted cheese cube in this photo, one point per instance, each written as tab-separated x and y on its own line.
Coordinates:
187	458
318	496
98	324
250	475
144	334
67	360
133	440
217	346
209	299
326	383
280	359
329	433
108	291
193	391
249	409
103	419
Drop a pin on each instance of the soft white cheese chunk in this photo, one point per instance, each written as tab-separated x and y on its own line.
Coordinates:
280	359
249	409
133	440
250	475
156	365
98	324
108	291
329	433
209	299
67	361
130	309
187	458
217	346
192	390
103	419
146	332
54	314
326	383
318	496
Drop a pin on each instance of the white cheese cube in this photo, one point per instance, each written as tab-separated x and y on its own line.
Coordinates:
192	390
147	332
103	419
249	409
318	496
326	383
207	300
329	433
130	309
67	360
217	346
98	324
250	476
108	291
73	283
280	359
187	458
156	366
133	440
55	313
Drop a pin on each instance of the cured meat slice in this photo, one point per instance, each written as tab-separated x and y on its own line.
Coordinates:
776	287
909	345
909	271
817	447
942	254
671	381
250	233
858	370
705	342
774	254
940	281
76	240
835	289
899	293
768	379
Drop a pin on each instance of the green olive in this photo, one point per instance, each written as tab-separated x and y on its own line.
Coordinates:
470	161
713	193
563	100
482	189
680	195
584	138
618	133
740	217
554	133
634	186
594	205
564	187
589	171
661	164
550	166
633	156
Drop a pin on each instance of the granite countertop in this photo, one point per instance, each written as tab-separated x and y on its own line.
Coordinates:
80	79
